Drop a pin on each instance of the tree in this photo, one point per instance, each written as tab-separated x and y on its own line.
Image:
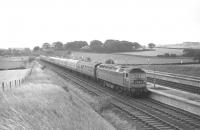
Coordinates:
75	45
3	52
136	45
46	46
166	55
151	45
111	45
96	45
197	56
36	48
109	61
27	51
195	53
128	46
57	45
117	46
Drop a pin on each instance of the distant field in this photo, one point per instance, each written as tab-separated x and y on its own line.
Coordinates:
157	51
131	59
13	62
192	70
11	75
20	58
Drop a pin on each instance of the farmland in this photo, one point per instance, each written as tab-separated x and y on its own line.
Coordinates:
189	69
192	69
13	62
155	52
131	59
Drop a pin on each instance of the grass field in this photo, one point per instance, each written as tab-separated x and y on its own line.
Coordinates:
131	59
155	52
42	104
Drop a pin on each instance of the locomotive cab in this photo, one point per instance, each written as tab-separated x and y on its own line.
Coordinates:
137	80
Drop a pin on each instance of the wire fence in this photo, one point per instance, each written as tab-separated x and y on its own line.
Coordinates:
8	85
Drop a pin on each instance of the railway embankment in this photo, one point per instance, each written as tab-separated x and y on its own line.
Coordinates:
102	105
177	98
42	103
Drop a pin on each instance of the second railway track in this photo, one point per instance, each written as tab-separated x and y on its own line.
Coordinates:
180	86
152	114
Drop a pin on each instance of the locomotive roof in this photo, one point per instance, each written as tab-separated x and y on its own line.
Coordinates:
121	68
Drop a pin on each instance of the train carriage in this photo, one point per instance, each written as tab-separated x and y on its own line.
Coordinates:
70	64
87	68
53	59
67	63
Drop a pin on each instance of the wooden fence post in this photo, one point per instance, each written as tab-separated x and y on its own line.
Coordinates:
15	83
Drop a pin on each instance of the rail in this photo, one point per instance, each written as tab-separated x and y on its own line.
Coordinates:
179	76
176	78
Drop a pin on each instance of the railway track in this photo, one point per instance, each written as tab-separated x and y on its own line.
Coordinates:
151	114
184	87
175	75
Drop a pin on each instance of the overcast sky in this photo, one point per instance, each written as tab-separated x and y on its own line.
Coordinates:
27	23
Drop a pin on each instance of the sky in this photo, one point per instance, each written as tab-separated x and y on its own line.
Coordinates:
28	23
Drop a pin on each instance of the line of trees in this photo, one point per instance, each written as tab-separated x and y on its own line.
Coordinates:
94	46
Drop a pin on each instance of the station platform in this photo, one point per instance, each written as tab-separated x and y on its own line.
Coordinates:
177	98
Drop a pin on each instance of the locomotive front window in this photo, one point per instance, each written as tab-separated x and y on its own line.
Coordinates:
138	81
140	75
